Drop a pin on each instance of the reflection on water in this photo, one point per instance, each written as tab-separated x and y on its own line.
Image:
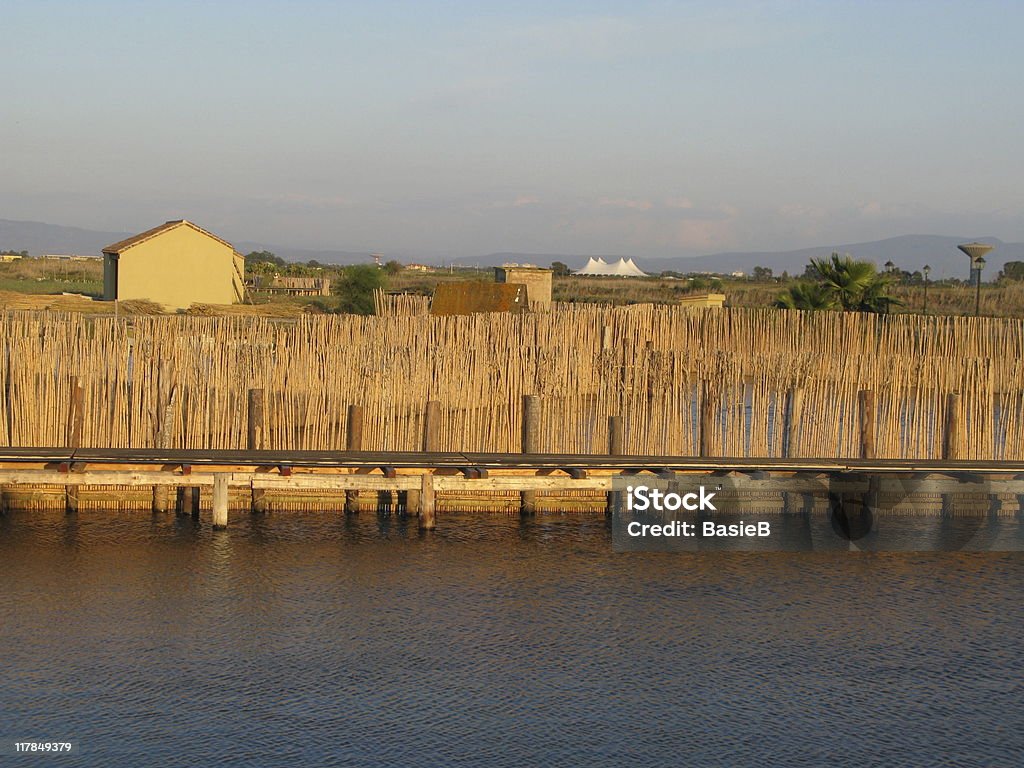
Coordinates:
321	639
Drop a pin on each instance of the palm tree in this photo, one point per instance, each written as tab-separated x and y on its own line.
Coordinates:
854	285
808	296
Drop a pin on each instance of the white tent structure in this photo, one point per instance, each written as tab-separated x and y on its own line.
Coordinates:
594	266
621	268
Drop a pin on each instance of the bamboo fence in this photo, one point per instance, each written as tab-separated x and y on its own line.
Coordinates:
684	381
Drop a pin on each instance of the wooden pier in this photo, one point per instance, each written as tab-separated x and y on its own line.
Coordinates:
418	478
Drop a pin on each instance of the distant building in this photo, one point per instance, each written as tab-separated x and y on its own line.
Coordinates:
621	268
536	280
419	268
713	300
176	264
68	257
10	256
293	286
467	297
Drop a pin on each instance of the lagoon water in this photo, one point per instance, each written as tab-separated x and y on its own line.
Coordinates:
316	640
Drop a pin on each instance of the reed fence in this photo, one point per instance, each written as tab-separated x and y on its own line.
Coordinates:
683	382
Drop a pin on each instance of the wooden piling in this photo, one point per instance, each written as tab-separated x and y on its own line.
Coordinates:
427	519
257	442
75	427
220	500
952	428
431	442
161	493
187	501
616	447
530	444
353	442
791	437
866	421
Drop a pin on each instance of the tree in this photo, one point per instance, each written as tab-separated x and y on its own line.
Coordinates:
393	267
559	269
263	257
1013	270
807	296
762	273
354	288
840	282
854	285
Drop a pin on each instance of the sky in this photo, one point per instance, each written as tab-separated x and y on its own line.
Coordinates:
652	129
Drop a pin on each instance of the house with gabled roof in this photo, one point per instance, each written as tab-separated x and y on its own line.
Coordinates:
176	264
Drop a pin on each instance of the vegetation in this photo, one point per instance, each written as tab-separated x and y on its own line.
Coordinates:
354	288
903	291
1012	270
840	282
806	295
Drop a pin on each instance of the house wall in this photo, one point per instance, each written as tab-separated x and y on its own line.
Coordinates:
178	268
537	281
109	277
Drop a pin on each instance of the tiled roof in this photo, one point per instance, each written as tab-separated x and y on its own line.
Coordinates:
124	245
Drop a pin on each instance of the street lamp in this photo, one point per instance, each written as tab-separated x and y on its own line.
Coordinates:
979	264
927	271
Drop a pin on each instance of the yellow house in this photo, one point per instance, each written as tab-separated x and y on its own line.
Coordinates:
176	264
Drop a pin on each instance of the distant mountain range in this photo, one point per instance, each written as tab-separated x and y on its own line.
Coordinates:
909	252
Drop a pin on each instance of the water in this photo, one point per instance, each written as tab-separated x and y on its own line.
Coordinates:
309	639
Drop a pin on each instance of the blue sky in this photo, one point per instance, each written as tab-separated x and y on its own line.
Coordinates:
461	128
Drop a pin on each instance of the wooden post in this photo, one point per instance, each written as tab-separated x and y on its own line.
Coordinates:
160	499
791	438
432	426
866	419
951	431
257	421
616	447
530	444
427	520
161	493
256	442
707	421
431	442
220	500
791	423
75	426
353	442
187	502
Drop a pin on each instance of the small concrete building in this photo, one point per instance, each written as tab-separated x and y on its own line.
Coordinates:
176	264
707	300
536	280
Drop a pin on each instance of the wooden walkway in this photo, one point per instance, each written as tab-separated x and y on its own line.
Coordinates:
421	475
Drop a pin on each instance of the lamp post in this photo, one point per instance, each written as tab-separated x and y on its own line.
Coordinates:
976	253
926	271
979	264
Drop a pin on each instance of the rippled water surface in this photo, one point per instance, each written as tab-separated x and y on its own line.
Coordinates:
312	640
